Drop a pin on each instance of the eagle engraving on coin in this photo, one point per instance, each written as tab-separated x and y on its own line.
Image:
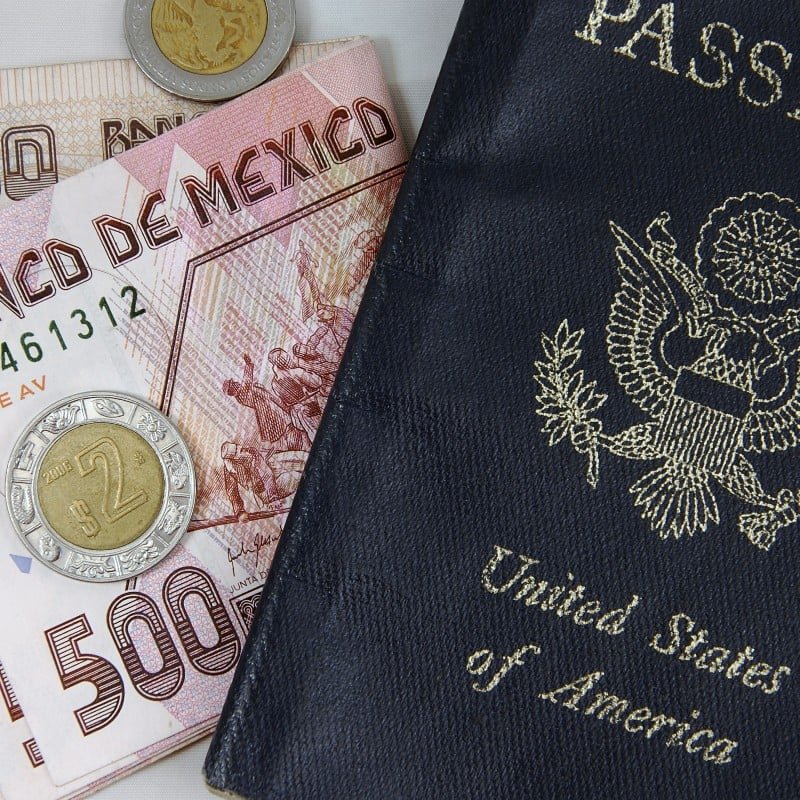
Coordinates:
209	36
710	352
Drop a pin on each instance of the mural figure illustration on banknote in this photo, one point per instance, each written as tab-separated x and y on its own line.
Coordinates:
368	243
288	412
271	472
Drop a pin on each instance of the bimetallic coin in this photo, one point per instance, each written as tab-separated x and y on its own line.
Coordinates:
209	49
100	487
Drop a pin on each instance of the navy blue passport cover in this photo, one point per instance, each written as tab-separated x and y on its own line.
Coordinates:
547	541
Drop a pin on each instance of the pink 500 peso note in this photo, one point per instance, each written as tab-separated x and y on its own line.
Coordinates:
214	272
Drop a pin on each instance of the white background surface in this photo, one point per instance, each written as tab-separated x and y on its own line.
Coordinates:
412	37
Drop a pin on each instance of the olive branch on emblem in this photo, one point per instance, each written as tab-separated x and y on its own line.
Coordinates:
566	400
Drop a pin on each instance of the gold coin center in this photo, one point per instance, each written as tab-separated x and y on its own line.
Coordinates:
100	486
209	37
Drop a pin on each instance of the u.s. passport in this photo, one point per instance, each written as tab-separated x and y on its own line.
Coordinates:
548	541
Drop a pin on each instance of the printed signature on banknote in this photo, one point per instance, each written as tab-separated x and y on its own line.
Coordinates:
259	543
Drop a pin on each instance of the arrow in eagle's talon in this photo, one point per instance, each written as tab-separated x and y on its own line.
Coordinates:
762	529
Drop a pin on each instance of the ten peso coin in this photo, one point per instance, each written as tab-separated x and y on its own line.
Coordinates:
100	487
209	49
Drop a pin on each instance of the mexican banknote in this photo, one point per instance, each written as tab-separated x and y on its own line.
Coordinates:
214	271
57	121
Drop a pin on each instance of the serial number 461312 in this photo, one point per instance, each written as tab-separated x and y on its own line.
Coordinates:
62	335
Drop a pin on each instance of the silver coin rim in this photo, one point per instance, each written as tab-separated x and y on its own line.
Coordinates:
189	494
209	88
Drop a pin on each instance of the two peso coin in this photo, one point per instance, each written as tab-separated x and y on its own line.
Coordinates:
100	487
209	49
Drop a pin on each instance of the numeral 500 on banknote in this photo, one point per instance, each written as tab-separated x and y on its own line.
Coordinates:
164	675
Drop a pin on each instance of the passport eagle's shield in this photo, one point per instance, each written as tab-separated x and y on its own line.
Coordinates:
710	353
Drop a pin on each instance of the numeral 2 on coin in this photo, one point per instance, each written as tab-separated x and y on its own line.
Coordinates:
105	452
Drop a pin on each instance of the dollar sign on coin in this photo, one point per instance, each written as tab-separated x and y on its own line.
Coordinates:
209	49
100	487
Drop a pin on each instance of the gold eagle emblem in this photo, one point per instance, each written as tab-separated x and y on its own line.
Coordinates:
710	352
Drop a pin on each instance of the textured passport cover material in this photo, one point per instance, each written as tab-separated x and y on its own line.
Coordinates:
547	541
